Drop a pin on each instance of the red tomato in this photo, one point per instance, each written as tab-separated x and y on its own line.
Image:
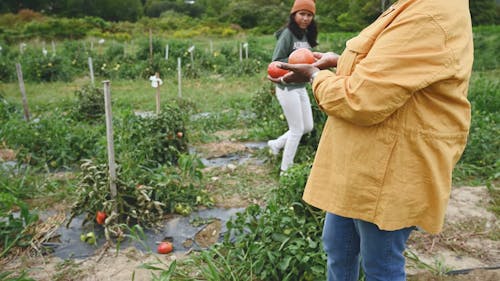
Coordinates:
302	55
165	247
274	71
100	217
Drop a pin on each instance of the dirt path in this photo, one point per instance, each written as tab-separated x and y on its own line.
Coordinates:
469	240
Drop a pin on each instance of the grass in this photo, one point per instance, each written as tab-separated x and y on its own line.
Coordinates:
210	93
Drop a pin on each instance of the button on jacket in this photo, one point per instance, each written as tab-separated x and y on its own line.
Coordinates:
398	117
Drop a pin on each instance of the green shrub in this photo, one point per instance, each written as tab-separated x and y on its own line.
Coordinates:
486	46
246	67
14	188
128	68
77	54
480	159
151	141
213	63
12	228
115	51
97	22
7	110
52	139
7	64
57	28
37	67
278	242
89	103
143	51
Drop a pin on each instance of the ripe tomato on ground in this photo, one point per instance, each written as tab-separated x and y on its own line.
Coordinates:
100	217
274	71
165	247
302	55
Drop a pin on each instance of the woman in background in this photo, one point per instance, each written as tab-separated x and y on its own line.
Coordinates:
300	32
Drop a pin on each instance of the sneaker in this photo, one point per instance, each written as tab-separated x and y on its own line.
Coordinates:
273	147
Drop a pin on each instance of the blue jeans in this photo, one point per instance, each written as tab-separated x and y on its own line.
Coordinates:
349	242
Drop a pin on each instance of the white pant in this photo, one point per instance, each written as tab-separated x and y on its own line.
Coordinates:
297	110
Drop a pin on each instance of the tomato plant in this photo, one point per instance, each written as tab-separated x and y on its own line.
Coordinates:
274	71
302	55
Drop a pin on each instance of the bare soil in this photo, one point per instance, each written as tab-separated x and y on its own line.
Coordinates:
469	241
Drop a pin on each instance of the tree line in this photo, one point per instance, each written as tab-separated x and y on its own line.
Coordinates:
263	15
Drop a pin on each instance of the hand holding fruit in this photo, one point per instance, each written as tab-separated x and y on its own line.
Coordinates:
274	71
299	73
326	60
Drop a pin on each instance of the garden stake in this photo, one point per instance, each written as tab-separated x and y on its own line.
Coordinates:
179	76
158	93
109	137
53	49
91	68
151	46
23	91
241	52
245	46
191	50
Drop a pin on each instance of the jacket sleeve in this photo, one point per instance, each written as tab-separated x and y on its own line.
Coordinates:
283	47
375	77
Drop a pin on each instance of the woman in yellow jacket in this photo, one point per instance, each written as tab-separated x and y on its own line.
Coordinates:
398	120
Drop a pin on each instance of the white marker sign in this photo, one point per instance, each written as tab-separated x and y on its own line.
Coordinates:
155	81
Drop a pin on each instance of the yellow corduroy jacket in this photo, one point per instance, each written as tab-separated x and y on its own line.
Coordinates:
398	117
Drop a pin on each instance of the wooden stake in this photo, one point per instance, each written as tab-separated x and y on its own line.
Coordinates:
151	45
23	91
191	53
158	94
91	69
179	74
53	48
109	137
245	46
241	52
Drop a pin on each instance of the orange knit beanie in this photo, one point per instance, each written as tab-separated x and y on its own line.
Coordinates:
308	5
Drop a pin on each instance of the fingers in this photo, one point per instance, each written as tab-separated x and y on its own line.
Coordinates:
327	60
286	66
317	55
274	80
299	73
